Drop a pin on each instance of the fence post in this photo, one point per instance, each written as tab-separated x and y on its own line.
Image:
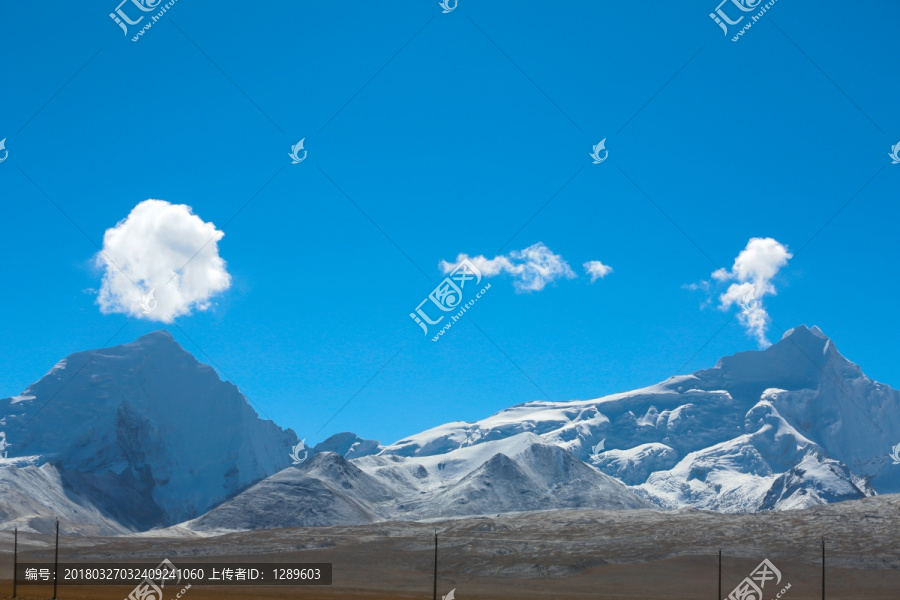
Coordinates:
15	559
435	564
823	567
56	561
720	575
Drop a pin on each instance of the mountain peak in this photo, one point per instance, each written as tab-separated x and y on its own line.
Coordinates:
158	335
808	341
348	445
815	345
797	361
148	418
802	331
159	339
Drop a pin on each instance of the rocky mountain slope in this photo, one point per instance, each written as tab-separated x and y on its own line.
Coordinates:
517	474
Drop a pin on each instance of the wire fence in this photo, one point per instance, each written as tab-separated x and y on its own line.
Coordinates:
421	561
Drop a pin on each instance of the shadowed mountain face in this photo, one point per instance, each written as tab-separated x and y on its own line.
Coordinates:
325	490
139	435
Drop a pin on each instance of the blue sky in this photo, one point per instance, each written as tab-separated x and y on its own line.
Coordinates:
430	135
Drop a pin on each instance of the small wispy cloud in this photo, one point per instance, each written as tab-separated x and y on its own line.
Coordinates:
597	270
532	268
750	282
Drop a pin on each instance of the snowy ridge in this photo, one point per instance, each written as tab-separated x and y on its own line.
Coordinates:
520	473
791	426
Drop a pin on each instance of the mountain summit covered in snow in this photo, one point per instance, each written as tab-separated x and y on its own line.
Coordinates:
791	426
131	437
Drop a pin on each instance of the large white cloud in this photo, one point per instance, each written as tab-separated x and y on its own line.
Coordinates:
532	268
165	248
751	277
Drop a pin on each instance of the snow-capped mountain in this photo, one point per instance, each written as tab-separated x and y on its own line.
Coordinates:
520	473
791	426
142	435
131	437
348	445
